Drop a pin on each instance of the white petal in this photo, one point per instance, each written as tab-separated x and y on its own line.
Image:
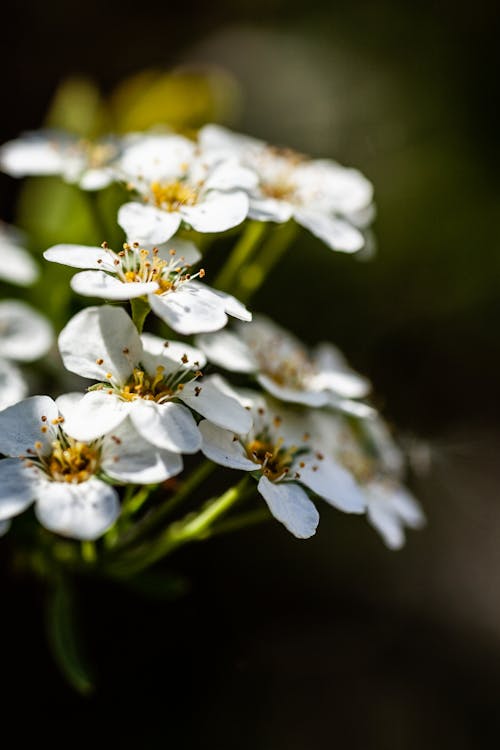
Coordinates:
335	373
190	309
32	155
232	306
96	179
101	333
158	348
17	487
216	406
169	426
408	508
96	414
20	425
269	209
101	284
228	350
80	511
25	335
334	484
16	264
390	527
290	505
217	212
4	527
157	158
336	233
78	256
147	224
13	386
356	408
229	175
292	395
220	446
68	402
127	457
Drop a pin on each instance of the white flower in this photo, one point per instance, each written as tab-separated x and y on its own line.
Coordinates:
283	456
24	336
76	160
144	378
285	368
63	475
178	184
321	195
376	462
16	264
160	273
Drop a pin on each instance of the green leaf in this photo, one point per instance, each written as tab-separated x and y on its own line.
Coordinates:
64	637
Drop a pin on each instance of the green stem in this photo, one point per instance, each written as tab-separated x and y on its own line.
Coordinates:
253	275
241	253
193	527
140	311
198	476
242	521
89	552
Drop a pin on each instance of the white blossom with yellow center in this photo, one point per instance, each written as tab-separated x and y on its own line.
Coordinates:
63	475
334	203
368	451
285	368
282	455
155	383
177	184
163	274
77	160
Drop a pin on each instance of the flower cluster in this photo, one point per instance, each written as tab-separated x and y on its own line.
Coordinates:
296	425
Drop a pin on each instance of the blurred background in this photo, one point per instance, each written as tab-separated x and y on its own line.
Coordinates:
334	642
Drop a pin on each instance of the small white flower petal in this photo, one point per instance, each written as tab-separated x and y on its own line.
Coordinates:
216	406
169	426
293	395
80	511
217	212
96	179
21	425
130	458
147	224
228	350
408	508
13	386
270	209
336	233
183	249
387	523
220	446
229	175
4	527
190	309
101	333
156	158
31	155
290	505
101	284
232	306
16	264
25	335
96	414
156	348
78	256
17	487
334	484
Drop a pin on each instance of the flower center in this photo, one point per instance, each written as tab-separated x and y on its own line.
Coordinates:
159	387
275	460
281	189
138	265
170	196
72	461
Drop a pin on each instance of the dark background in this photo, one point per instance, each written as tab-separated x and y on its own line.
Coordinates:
335	642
